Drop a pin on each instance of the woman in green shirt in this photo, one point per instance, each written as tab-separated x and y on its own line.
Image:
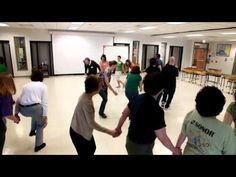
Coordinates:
3	67
133	81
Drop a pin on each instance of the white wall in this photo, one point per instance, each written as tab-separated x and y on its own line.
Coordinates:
223	63
30	35
43	35
129	38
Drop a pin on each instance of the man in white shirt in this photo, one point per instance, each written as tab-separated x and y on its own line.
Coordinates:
33	103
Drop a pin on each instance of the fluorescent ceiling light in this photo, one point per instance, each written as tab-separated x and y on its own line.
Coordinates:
193	35
226	33
73	28
147	27
3	24
175	23
232	40
128	31
169	37
77	23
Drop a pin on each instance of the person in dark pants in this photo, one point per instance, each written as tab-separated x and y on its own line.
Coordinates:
146	119
83	121
170	73
91	66
7	89
105	83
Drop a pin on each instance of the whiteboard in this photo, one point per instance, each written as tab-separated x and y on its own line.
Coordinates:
112	52
69	51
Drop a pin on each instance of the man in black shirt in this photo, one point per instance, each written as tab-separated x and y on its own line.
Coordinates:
170	73
91	66
146	119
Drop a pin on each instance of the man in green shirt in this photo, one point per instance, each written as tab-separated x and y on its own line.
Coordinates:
3	67
118	74
206	134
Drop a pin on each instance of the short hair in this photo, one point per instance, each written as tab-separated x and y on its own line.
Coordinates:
104	56
113	62
135	70
158	55
152	61
87	59
153	83
119	56
37	75
209	101
7	85
92	83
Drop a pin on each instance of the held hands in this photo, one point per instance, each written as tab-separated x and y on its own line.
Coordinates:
115	133
177	151
16	119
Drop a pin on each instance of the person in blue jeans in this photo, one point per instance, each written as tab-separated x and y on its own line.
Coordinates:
33	103
105	83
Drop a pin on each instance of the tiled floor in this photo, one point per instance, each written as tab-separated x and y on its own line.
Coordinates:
63	95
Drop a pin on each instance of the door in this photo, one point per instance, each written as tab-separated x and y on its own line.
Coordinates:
199	59
149	51
6	54
177	52
41	56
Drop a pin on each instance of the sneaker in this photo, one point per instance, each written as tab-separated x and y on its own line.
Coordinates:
103	116
38	148
32	133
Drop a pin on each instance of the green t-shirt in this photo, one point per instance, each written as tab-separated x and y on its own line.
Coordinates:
119	66
232	110
3	68
207	136
133	82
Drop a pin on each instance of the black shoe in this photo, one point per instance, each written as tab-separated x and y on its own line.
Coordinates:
103	116
38	148
32	133
167	106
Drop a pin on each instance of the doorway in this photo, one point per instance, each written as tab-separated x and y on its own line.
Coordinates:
5	52
177	52
149	51
41	56
200	55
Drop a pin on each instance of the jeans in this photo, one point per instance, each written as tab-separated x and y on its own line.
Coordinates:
103	94
83	147
37	122
130	94
138	149
3	130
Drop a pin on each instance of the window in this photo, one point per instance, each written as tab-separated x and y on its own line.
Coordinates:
20	53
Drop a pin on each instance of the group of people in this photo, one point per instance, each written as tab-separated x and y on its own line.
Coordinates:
205	134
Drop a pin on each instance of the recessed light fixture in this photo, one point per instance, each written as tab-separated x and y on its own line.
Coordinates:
3	24
169	37
73	28
128	31
148	27
194	35
203	41
227	33
176	23
77	23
